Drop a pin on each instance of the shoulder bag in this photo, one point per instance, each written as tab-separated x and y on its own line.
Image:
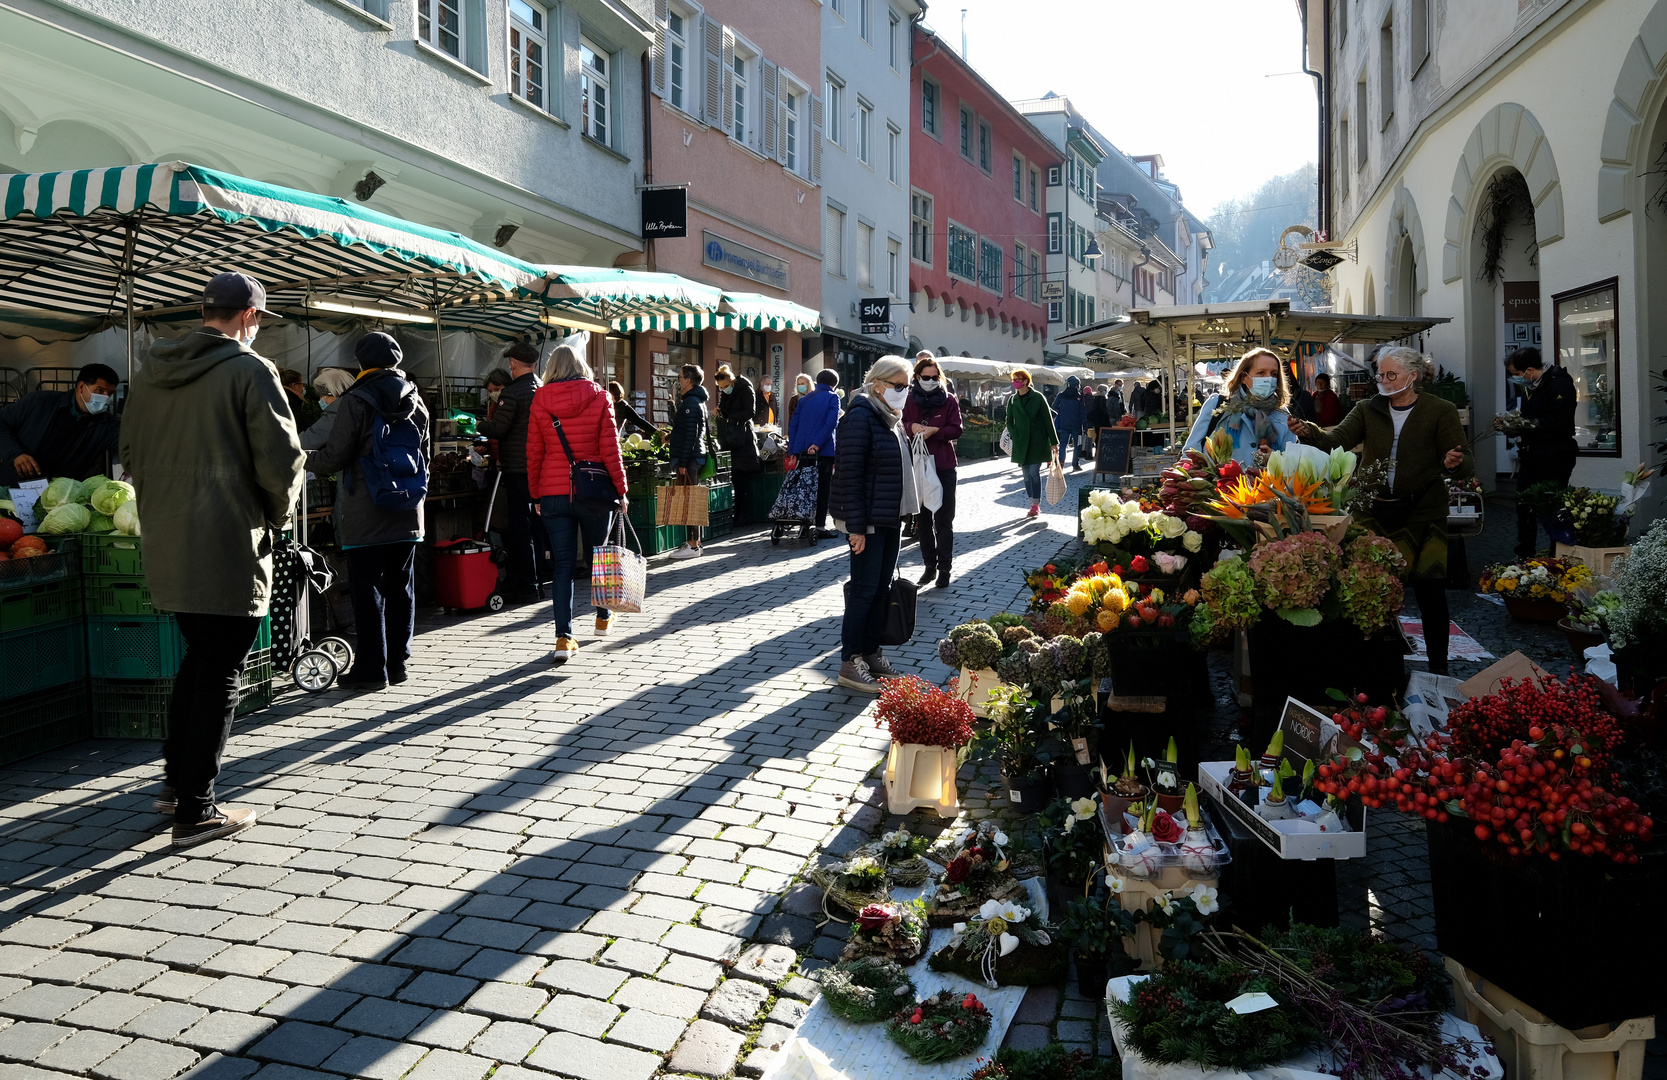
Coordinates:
589	481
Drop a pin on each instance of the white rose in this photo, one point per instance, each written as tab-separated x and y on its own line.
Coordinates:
1171	527
1192	541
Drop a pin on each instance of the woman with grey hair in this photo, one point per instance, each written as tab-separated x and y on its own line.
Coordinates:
331	383
873	493
1420	437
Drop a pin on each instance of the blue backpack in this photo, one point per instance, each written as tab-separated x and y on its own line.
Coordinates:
394	469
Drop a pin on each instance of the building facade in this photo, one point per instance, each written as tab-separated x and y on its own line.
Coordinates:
978	214
1176	241
1496	163
865	178
1072	193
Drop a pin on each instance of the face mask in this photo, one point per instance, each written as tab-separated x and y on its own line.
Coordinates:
1388	391
930	385
729	389
1019	384
803	388
896	398
97	403
248	337
768	387
1519	381
492	395
1263	386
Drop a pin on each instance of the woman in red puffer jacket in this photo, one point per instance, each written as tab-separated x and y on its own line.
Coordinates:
587	419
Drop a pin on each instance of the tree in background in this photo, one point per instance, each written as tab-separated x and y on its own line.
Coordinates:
1246	234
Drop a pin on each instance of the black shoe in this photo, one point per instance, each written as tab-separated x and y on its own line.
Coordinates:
220	822
825	534
397	677
364	683
927	576
943	579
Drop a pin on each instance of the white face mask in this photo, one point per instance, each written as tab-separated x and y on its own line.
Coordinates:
1394	391
249	332
897	398
930	385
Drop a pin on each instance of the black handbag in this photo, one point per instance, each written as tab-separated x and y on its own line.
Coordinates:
900	612
589	481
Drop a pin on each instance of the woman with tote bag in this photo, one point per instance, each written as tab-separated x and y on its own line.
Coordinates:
1030	425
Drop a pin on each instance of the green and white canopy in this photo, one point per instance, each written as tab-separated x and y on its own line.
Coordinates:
739	311
613	297
76	242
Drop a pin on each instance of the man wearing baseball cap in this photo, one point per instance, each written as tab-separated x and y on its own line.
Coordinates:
217	468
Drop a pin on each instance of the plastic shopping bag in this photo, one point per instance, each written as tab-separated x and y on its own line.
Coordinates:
1006	442
1055	489
927	484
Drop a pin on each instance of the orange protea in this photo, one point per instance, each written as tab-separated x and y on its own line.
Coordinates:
1234	498
1106	620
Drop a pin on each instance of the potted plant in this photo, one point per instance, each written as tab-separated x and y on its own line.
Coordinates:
1077	719
1017	738
1094	928
1119	794
1072	844
1637	625
928	728
972	649
1166	779
1537	589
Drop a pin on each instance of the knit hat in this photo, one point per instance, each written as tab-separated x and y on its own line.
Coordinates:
378	350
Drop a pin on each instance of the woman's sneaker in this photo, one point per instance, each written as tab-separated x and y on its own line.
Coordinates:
1035	508
685	552
602	627
854	675
222	821
880	667
565	650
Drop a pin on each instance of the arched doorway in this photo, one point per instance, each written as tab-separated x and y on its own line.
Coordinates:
1502	297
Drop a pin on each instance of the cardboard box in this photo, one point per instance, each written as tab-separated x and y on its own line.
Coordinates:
1514	666
1290	839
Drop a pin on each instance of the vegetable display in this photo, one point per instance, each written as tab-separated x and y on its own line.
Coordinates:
67	518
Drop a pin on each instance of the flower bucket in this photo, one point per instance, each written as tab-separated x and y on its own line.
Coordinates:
1073	781
1580	638
1535	611
921	776
1029	794
1600	560
1335	526
977	694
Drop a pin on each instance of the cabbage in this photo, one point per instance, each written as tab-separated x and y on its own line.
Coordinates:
126	518
100	523
68	518
110	494
61	490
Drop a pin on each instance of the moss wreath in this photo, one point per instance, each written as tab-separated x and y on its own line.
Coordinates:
866	989
941	1028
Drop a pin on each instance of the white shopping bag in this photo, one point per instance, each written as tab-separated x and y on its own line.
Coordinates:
927	484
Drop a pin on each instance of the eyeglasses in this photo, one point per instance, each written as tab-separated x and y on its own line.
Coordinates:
898	385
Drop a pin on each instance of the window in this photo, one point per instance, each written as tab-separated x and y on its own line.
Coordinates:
594	90
1019	271
920	228
1386	70
1418	34
894	155
966	133
1056	311
986	147
838	7
1053	175
929	107
1055	234
894	267
440	24
894	41
1035	278
527	45
790	129
1018	178
865	125
963	253
865	255
989	266
1034	205
833	241
677	59
1360	128
836	110
738	117
1343	20
1588	348
1343	152
865	23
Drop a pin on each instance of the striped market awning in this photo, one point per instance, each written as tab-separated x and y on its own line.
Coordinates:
611	296
74	244
739	311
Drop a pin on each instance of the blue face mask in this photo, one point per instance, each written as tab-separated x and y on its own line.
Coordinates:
97	403
1263	386
730	389
1519	381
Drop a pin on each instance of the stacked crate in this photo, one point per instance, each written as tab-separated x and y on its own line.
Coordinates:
721	506
43	654
651	539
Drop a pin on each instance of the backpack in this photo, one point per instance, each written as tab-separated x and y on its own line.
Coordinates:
395	471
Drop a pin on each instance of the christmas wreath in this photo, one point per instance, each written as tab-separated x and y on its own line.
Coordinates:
940	1028
893	931
977	870
1004	944
1181	1015
866	989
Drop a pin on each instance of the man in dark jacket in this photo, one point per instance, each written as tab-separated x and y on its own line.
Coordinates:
60	432
217	468
529	559
1548	451
811	434
381	545
1116	406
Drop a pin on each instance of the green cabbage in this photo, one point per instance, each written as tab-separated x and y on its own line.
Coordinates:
126	518
59	491
68	518
108	495
100	523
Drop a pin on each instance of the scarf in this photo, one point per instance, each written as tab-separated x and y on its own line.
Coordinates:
894	420
1246	418
928	400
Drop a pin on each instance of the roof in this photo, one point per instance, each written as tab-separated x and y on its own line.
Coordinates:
996	97
1228	324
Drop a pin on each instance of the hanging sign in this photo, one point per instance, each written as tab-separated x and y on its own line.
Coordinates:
665	213
875	313
1522	301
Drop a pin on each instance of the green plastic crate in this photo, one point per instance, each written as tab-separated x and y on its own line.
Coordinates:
44	721
641	512
720	497
654	541
40	605
112	553
131	708
41	658
115	594
723	524
765	488
64	561
134	646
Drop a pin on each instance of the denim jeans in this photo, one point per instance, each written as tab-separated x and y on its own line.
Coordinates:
865	607
569	524
936	528
1033	481
383	581
202	706
824	487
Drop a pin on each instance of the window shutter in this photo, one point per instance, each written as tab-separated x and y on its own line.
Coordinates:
815	140
783	89
714	45
772	148
729	79
662	14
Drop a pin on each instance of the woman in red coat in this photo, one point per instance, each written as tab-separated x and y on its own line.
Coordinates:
587	419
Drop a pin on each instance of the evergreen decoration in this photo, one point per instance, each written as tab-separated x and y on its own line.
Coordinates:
866	989
940	1028
1181	1015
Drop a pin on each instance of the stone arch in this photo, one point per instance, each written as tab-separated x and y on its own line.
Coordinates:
1625	128
1507	135
1405	229
1369	295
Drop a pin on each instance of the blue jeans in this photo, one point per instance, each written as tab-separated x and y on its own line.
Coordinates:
383	581
865	607
1033	480
564	519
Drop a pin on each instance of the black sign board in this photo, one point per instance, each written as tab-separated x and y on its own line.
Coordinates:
665	213
1115	452
875	314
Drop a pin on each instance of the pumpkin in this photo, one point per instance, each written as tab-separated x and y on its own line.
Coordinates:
10	531
24	546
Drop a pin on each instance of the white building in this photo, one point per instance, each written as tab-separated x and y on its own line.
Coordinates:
514	122
1072	194
865	176
1496	162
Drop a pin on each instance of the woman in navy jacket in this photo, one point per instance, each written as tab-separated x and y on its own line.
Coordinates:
935	413
810	434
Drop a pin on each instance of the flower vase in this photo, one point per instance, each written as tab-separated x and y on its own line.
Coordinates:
1580	638
918	775
1026	794
1171	803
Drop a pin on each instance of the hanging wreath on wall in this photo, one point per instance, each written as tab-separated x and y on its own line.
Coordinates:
1505	203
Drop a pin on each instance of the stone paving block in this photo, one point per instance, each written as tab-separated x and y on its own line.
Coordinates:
789	1012
236	992
309	1003
764	963
433	954
453	1030
581	1015
664	998
121	941
299	1044
227	1032
735	1002
372	980
507	1001
110	1011
304	937
66	966
188	951
437	990
691	971
507	1041
1039	1006
28	1040
311	969
164	1020
143	1059
44	933
371	945
493	965
569	946
221	1067
490	932
176	985
801	988
251	960
450	1065
647	1030
1027	1037
789	930
706	944
586	1059
379	1016
580	978
374	1059
707	1049
637	956
124	975
44	1001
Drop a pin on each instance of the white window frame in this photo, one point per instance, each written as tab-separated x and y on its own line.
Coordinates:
1035	276
1056	234
1053	175
865	20
792	94
838	7
834	260
952	229
684	88
1056	311
590	76
894	266
834	95
991	251
920	228
531	36
894	154
741	69
865	255
865	132
894	38
433	39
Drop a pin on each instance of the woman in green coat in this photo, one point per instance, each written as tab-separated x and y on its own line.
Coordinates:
1421	438
1030	423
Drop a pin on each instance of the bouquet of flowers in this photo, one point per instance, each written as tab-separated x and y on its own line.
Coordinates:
988	946
1595	519
1125	529
1295	573
1192	481
1592	605
975	645
1305	579
1047	585
1298	482
1228	604
940	1028
890	931
915	711
1539	578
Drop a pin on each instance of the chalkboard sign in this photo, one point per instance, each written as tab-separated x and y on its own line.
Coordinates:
1115	450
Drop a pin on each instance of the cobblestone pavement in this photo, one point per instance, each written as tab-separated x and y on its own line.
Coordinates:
499	865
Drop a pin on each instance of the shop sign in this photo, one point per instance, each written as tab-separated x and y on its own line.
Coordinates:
733	258
875	313
1053	291
665	213
1522	301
